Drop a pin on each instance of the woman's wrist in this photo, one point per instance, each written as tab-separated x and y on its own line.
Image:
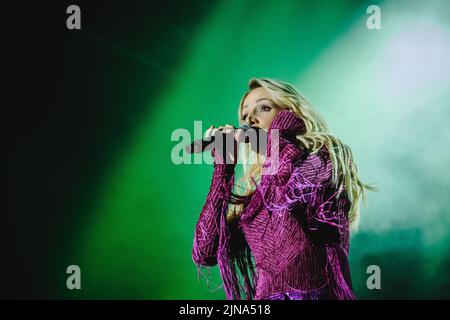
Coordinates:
222	164
224	169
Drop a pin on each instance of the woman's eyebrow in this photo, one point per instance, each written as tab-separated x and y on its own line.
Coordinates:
260	99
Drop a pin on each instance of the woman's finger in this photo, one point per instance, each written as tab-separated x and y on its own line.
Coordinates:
208	132
215	131
223	129
228	128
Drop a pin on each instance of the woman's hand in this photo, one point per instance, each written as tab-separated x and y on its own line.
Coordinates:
224	135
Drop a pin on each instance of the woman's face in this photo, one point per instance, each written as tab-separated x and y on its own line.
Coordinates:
258	110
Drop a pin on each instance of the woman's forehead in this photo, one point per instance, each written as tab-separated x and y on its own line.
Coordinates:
254	96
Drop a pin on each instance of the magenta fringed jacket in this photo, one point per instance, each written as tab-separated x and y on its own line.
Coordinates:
292	238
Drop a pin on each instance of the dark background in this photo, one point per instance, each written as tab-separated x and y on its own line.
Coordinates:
68	116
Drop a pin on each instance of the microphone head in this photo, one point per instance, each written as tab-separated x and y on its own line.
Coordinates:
246	127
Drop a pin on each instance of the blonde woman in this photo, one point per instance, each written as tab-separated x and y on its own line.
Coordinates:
282	234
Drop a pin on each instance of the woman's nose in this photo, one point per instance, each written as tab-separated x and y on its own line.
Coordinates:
253	121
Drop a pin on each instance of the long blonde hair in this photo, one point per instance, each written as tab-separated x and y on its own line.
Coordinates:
345	171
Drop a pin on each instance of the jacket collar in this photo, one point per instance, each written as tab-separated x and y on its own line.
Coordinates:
288	125
287	122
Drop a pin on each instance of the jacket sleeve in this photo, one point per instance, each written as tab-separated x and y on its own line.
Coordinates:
206	238
324	210
301	185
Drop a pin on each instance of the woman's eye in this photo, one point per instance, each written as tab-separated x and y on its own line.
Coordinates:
265	108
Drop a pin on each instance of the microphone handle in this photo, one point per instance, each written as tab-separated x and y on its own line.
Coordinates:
199	145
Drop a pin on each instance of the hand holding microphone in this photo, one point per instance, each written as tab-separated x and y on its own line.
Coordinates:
225	140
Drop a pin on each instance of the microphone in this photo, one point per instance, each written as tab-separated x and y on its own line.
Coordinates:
201	145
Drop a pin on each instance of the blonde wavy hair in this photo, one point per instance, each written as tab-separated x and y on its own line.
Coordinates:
345	171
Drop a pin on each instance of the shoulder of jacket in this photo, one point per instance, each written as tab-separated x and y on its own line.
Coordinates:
316	167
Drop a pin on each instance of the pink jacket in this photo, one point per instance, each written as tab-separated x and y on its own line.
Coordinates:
292	239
